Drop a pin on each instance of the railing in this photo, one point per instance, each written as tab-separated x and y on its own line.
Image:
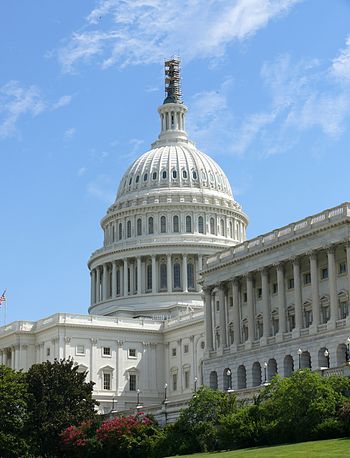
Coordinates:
340	323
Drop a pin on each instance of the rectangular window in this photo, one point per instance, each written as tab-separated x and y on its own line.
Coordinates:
217	306
80	350
307	278
186	348
344	310
106	381
132	353
48	352
342	268
290	283
274	288
324	273
245	297
174	382
106	351
173	351
231	301
187	379
132	382
259	293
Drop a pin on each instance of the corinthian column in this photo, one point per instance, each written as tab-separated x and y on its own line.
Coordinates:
314	290
98	284
281	300
250	300
236	317
168	272
266	303
223	332
114	279
139	277
104	282
93	286
332	280
125	278
208	320
184	274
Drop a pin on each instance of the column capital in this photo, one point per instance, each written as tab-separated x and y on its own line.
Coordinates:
295	259
279	265
312	254
248	276
330	248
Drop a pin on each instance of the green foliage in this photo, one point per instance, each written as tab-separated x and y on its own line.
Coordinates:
13	413
58	397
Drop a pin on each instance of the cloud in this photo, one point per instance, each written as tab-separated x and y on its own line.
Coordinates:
341	64
101	188
16	102
81	171
136	32
62	102
69	133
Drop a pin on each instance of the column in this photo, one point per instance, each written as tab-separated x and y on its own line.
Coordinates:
121	273
250	300
222	314
348	266
132	277
125	278
169	273
93	286
314	290
184	274
92	358
297	297
114	279
208	320
139	277
98	284
332	279
154	275
266	303
281	300
236	317
104	282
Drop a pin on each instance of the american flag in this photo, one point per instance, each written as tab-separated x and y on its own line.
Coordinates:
3	297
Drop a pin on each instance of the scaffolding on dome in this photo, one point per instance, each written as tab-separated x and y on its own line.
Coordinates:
172	80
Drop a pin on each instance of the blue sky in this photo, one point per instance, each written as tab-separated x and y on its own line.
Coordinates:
267	83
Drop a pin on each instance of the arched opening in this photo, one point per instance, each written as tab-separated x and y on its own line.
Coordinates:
150	225
177	276
163	224
288	366
341	354
212	226
139	226
271	369
305	360
323	358
256	374
176	223
200	225
213	380
163	277
222	227
188	224
190	275
241	377
128	229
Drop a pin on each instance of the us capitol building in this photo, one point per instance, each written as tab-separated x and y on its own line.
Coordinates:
180	298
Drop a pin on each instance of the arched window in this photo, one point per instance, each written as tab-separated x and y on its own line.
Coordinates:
190	276
149	277
150	225
176	223
212	226
145	177
128	229
163	276
188	224
118	282
200	225
120	231
154	176
177	277
174	174
163	224
194	175
164	174
231	229
184	174
139	226
222	227
137	178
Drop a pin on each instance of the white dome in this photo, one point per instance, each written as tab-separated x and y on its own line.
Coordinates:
179	165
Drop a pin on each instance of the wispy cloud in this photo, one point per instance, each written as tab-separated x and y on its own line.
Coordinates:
144	31
69	133
341	64
82	171
62	102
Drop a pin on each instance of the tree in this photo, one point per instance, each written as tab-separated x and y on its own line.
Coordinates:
58	397
13	413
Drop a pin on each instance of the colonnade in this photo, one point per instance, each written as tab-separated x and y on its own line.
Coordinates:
10	356
243	294
145	274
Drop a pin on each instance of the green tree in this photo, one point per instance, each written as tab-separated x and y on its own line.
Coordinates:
58	396
13	413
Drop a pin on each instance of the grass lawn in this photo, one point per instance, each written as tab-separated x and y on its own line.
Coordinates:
335	447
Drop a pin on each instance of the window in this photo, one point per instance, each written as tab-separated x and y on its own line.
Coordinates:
343	309
202	345
80	350
307	278
177	283
194	175
128	229
145	177
274	288
106	351
130	181
291	319
190	276
324	273
163	276
106	381
174	174
174	382
48	352
184	174
139	226
118	281
176	223
222	227
200	225
231	301
163	224
308	318
186	348
173	352
188	224
149	277
187	379
275	324
150	225
290	283
245	297
164	174
132	352
132	382
231	230
154	176
217	306
259	293
120	235
342	268
137	178
212	226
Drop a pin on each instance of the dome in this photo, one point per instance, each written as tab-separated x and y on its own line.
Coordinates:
179	165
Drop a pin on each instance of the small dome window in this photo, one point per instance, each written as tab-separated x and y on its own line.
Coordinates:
130	181
145	177
194	175
204	175
184	174
164	174
137	178
154	176
211	176
174	174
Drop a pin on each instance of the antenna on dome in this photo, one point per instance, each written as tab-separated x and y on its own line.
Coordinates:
172	80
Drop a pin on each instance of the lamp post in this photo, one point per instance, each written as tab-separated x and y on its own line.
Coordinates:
326	354
300	351
165	402
138	405
229	385
195	385
265	373
347	351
